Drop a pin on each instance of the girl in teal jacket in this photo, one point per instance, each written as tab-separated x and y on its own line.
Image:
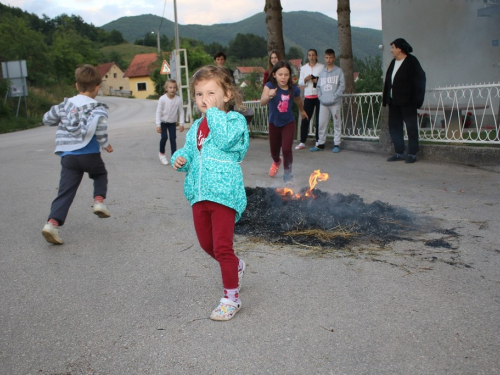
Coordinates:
215	145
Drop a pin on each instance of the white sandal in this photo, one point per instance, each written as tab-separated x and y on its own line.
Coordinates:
241	273
226	310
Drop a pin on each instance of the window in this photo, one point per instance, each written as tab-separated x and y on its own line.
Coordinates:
114	75
106	76
141	86
121	87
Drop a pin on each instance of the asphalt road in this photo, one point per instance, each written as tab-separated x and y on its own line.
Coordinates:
132	294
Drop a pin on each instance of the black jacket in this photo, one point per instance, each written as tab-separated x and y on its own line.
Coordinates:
408	86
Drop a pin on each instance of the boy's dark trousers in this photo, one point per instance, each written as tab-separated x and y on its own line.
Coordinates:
72	169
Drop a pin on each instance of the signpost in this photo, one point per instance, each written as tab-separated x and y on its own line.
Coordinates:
16	72
165	68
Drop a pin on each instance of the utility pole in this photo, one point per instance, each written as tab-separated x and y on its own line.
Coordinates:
176	30
158	41
181	65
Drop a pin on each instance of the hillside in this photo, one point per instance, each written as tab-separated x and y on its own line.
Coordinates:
303	29
127	51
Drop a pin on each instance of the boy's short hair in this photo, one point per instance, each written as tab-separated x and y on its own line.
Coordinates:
330	51
87	77
219	54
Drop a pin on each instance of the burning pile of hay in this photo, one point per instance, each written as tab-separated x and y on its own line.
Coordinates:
317	218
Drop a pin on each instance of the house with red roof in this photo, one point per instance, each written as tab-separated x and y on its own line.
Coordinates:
112	79
138	73
295	64
242	72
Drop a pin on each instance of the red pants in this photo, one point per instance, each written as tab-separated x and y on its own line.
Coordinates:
281	139
214	225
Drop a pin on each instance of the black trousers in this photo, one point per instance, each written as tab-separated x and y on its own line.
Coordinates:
309	105
72	169
399	115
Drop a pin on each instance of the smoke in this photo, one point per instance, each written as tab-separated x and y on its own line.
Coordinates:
270	216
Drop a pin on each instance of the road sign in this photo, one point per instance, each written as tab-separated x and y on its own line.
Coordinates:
165	68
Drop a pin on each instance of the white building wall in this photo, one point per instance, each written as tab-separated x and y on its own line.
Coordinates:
452	43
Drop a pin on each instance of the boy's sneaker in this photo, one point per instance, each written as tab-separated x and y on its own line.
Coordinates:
273	171
300	146
51	234
226	310
241	273
336	149
287	177
317	148
101	210
163	159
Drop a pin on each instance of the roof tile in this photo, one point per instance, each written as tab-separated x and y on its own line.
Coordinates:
141	65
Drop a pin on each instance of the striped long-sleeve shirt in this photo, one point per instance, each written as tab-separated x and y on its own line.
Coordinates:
78	119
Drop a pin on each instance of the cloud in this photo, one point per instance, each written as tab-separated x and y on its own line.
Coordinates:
364	13
212	12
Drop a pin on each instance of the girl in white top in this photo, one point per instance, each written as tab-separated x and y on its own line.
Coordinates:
168	113
308	78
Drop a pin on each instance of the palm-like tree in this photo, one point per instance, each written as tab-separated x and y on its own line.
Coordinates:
274	26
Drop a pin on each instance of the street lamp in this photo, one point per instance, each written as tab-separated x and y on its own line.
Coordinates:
157	39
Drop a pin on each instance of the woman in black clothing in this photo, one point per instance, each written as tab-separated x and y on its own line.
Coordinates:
404	91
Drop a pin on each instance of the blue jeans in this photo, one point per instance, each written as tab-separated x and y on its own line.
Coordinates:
170	126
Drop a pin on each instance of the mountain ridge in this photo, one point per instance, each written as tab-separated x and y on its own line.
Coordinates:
297	26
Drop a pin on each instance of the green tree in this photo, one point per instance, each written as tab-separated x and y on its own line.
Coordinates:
196	54
82	28
149	40
114	56
295	52
214	47
370	74
165	43
68	51
159	80
19	42
252	89
247	46
114	38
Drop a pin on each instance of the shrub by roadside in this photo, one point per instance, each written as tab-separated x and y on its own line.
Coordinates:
38	101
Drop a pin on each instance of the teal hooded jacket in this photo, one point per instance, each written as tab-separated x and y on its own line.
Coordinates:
214	173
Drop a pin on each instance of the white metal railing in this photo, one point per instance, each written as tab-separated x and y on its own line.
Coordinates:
464	114
361	114
365	108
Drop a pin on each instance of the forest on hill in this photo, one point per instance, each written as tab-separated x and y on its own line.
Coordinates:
54	47
301	29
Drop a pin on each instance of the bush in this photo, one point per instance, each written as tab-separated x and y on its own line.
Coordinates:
38	101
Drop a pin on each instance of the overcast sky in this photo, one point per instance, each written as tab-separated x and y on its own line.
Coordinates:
364	13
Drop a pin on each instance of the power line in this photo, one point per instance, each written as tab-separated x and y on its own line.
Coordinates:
162	16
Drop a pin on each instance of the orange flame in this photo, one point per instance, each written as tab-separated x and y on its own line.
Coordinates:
315	177
313	181
287	193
